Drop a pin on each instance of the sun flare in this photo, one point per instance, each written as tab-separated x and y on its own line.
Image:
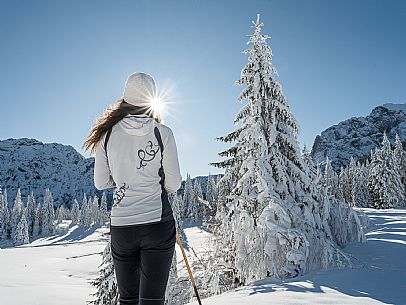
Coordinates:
157	105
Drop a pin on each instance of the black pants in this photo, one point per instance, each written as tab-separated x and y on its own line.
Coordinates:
142	257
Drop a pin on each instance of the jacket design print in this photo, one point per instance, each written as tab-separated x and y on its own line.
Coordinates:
148	154
120	193
139	195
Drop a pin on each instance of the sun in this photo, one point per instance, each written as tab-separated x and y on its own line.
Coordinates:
157	105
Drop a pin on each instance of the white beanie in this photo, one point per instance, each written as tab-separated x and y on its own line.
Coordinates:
139	89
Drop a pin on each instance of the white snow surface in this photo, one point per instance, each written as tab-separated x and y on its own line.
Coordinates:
57	270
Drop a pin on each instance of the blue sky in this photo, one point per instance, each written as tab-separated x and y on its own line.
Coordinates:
63	62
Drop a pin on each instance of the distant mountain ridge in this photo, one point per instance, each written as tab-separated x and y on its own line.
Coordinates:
29	164
358	135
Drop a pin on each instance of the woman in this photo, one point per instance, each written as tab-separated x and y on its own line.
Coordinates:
137	155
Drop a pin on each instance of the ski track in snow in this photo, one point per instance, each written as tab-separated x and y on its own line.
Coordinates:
57	270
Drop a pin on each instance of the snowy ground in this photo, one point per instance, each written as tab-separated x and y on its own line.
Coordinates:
379	278
57	270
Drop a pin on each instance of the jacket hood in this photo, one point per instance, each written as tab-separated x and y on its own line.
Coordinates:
137	125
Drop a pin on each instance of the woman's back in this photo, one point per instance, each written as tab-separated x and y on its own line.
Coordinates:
133	161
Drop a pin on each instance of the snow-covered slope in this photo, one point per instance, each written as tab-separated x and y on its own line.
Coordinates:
379	276
29	164
57	270
358	135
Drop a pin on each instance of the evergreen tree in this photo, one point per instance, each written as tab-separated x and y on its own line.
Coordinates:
103	213
308	160
211	197
346	179
190	208
48	214
331	181
384	182
95	210
200	203
21	236
106	283
31	210
16	213
360	193
86	213
75	213
36	229
400	166
269	222
3	216
7	217
61	214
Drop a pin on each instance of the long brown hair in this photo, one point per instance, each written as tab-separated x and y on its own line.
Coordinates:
113	114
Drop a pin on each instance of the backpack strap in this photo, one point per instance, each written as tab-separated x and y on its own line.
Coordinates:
161	172
108	133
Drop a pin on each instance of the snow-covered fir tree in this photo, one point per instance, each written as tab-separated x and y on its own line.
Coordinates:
399	156
210	208
3	216
86	212
61	214
189	201
211	191
308	160
346	179
31	213
36	229
384	182
16	213
200	203
331	181
103	213
75	213
95	209
269	221
21	236
106	283
48	214
360	193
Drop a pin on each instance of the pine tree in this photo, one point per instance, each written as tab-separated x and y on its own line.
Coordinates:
211	197
16	213
36	229
21	236
331	181
384	182
60	214
31	210
400	166
3	216
106	283
200	203
308	160
190	208
86	213
360	193
75	213
48	214
103	213
346	179
7	217
95	210
269	222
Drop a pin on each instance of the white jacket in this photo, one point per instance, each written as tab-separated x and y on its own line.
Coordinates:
131	166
